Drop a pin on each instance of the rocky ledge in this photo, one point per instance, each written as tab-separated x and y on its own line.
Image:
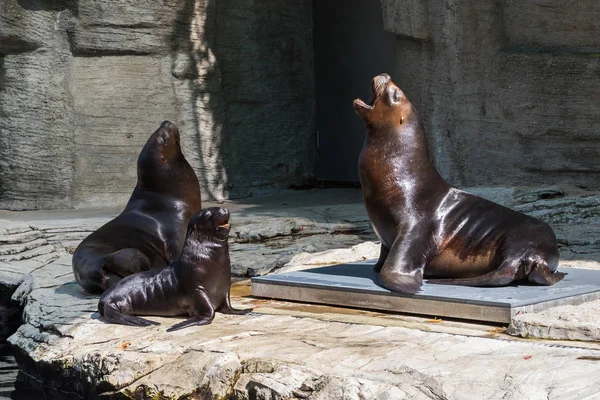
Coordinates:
296	351
66	346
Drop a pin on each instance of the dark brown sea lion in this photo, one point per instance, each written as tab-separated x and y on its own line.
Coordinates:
197	284
150	232
427	227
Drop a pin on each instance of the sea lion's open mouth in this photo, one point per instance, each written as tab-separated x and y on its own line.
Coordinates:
224	224
360	103
378	87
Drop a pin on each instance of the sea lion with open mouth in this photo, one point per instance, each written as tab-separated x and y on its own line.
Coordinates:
150	232
429	228
197	284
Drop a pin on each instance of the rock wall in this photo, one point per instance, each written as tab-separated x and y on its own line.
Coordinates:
83	83
509	90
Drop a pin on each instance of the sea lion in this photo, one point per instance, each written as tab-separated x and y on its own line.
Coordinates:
429	228
150	232
197	284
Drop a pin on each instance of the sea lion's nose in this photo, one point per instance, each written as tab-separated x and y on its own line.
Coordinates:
170	127
223	211
381	80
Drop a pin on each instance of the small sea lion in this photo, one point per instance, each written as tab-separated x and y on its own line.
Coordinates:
197	284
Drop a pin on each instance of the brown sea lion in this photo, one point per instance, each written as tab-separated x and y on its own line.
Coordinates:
150	232
429	228
197	284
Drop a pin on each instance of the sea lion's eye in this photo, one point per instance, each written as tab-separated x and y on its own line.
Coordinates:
396	96
163	140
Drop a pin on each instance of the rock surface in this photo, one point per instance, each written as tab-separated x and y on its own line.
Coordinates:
580	322
294	351
270	356
269	232
507	90
84	83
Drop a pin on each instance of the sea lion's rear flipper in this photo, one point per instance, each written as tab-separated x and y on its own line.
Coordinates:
203	312
504	275
226	308
88	272
402	270
509	271
383	254
541	275
113	315
125	262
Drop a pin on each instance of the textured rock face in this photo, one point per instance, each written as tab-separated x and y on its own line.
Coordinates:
508	90
83	84
565	322
262	356
36	111
270	354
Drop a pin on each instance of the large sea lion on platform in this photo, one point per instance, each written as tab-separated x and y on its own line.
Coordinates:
429	228
150	232
197	284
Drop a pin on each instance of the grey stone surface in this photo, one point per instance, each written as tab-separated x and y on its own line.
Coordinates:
272	232
412	19
306	260
23	249
267	234
565	322
507	89
25	28
284	252
70	349
36	124
84	83
118	27
112	122
549	23
282	350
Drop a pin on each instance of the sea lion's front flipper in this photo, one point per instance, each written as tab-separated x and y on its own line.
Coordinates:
202	311
226	308
383	254
402	270
125	262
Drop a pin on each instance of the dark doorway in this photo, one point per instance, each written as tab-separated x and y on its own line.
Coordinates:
350	48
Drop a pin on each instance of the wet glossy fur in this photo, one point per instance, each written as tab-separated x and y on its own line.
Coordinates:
430	229
197	284
150	232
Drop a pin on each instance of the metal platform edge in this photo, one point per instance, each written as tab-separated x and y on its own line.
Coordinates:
383	302
409	305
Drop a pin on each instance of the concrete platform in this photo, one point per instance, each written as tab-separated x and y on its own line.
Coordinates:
354	285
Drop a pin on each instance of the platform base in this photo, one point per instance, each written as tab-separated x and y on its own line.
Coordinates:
355	285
